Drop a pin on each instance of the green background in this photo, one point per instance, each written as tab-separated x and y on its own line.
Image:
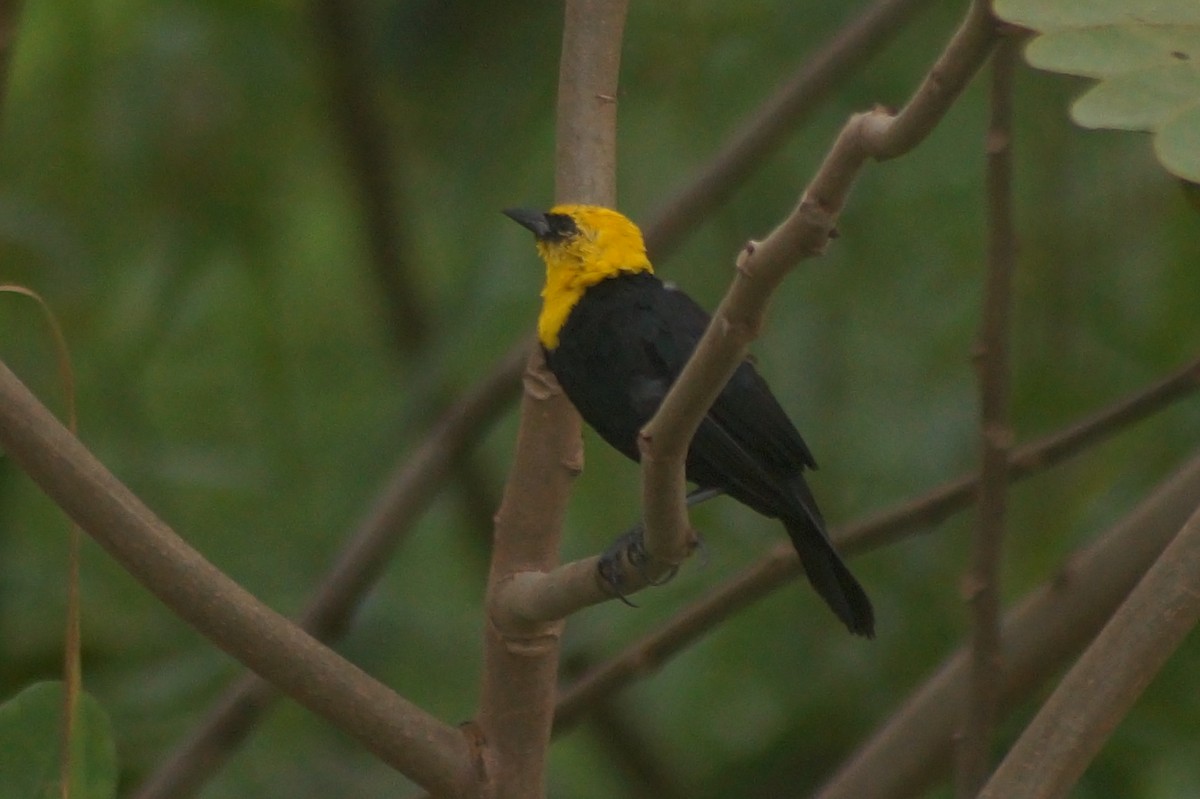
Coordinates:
172	181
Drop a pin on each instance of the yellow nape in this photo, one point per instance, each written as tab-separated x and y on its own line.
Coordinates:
606	245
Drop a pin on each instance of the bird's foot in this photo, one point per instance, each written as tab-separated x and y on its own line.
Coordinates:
629	551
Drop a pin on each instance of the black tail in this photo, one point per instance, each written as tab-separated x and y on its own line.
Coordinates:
830	577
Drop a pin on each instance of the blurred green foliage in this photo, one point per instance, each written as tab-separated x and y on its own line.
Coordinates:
172	181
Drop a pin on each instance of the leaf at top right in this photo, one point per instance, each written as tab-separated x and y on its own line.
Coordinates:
1145	55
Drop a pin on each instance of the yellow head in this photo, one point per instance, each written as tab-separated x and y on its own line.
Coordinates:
581	245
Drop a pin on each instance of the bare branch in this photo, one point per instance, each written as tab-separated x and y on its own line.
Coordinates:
913	747
429	751
1100	689
981	583
585	138
781	566
521	654
404	498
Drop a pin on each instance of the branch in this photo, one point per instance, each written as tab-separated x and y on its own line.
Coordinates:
1103	686
407	494
981	583
586	135
781	566
890	136
912	748
521	654
427	750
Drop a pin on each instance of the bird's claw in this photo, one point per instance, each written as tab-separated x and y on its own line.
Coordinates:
612	576
629	548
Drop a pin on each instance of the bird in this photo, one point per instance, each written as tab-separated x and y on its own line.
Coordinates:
616	337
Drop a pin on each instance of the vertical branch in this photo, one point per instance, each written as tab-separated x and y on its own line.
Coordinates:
586	133
521	654
982	582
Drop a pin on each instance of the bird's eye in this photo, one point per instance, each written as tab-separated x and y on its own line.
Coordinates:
562	227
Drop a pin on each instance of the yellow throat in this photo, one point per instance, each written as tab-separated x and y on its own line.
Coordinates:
605	245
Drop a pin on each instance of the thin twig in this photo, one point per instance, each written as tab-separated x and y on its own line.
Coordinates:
429	751
1103	686
907	518
407	493
981	583
913	747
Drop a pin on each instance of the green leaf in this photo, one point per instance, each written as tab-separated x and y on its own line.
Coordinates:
29	746
1145	55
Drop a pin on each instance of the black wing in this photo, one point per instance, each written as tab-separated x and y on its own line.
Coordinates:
622	347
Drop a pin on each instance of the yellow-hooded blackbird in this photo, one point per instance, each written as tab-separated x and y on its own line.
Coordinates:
617	337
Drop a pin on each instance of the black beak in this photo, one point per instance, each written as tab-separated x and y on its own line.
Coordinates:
533	220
